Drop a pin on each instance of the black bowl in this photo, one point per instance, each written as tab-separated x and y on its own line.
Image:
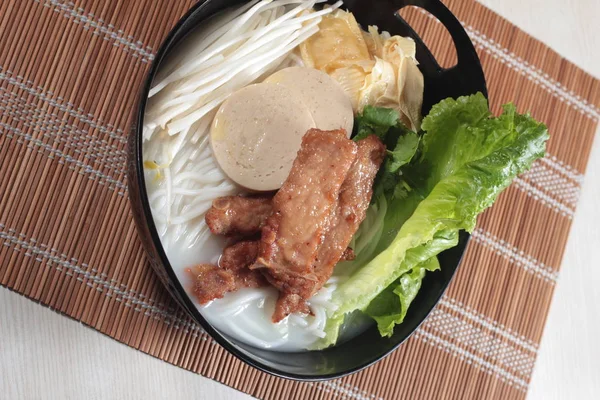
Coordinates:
463	79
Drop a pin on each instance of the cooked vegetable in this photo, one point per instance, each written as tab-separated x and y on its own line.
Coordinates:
375	69
338	43
465	159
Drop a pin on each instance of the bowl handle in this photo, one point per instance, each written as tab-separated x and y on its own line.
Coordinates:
468	63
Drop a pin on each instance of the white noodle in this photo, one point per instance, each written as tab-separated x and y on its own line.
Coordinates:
254	339
217	58
254	35
253	55
298	320
185	123
169	192
203	126
246	60
215	29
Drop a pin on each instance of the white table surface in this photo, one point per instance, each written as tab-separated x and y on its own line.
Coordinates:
45	355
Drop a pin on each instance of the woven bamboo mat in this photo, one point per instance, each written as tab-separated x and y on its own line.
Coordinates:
69	78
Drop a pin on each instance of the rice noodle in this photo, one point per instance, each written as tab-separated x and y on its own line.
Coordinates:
248	52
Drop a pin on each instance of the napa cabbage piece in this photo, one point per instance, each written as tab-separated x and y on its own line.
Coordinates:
375	40
465	159
338	43
380	87
352	79
374	69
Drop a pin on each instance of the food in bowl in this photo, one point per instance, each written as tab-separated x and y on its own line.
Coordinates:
298	192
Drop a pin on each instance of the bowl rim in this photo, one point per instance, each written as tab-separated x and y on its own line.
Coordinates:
136	176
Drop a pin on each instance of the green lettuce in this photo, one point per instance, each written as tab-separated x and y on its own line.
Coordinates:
390	306
464	160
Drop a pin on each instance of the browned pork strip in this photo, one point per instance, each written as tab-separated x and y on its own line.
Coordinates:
238	258
348	255
303	208
240	255
312	220
221	221
212	282
354	199
238	216
290	303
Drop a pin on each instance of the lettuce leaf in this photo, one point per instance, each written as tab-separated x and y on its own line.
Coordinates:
466	158
390	306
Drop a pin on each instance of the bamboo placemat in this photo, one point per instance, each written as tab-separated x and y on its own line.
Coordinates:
69	78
